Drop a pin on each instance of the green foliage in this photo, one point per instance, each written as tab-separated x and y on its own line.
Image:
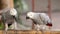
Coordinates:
1	26
19	7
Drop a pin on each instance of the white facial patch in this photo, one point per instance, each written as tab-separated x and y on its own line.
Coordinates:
30	14
13	12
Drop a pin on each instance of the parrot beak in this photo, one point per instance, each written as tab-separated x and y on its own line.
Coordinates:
27	17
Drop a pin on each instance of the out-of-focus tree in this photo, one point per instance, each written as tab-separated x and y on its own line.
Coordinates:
3	4
20	6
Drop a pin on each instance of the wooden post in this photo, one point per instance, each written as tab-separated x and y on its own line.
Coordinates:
11	4
6	3
33	5
33	10
3	4
49	8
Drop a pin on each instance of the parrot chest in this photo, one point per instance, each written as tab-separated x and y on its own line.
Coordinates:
7	18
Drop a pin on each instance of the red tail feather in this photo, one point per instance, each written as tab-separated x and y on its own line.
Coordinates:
49	24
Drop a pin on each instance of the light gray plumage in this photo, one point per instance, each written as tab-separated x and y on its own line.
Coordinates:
9	17
40	20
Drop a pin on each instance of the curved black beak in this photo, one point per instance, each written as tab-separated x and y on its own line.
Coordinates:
27	17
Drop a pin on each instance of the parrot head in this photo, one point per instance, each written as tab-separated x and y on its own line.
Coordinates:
13	12
30	15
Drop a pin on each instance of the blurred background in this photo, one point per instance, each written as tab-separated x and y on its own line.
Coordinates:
52	7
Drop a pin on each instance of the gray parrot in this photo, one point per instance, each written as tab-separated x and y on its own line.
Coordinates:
9	17
40	20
